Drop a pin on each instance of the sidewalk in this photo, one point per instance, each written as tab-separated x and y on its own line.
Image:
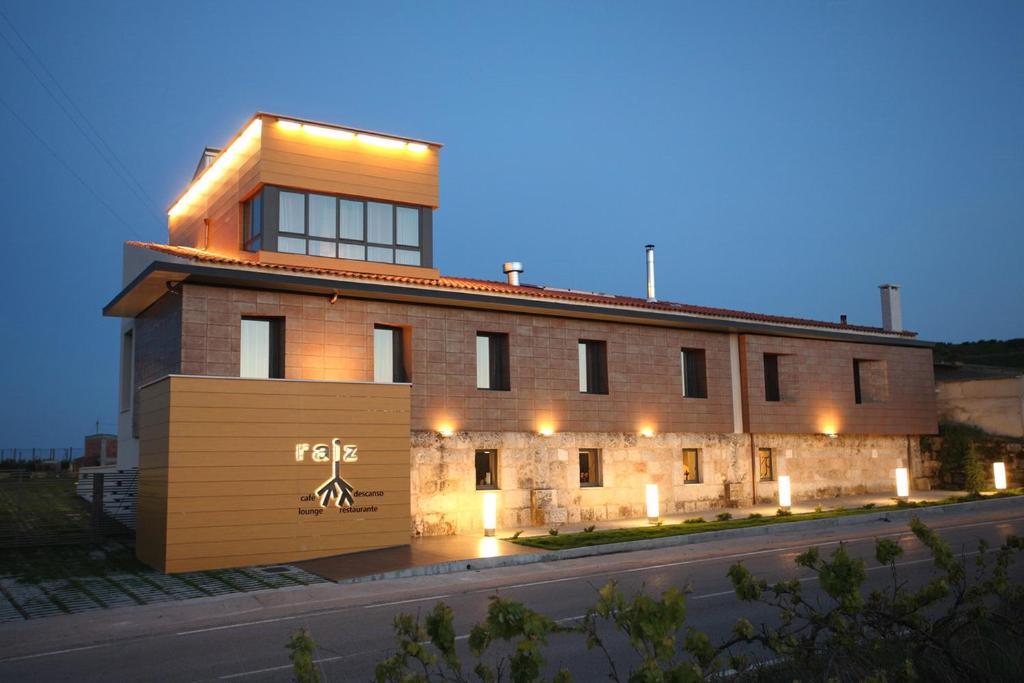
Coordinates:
443	554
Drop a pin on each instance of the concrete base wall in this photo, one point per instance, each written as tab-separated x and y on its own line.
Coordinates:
538	477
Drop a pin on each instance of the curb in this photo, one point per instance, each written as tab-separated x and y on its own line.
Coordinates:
476	564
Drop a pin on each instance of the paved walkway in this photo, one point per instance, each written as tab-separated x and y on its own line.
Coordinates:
434	550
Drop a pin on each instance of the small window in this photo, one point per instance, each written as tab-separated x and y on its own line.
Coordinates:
691	466
486	470
252	224
389	355
765	464
590	467
771	377
870	381
127	369
380	223
492	366
593	367
291	245
351	220
262	348
695	373
407	226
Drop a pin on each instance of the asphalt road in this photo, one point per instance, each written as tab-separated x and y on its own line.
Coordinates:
243	637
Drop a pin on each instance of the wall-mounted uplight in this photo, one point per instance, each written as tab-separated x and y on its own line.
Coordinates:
647	432
653	509
446	430
333	133
490	513
285	124
999	474
546	431
378	141
832	435
902	483
785	492
416	147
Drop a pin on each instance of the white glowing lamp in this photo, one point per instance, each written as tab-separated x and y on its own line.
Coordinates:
902	483
999	474
785	492
490	513
653	512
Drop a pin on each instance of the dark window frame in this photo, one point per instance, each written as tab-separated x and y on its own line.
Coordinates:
492	465
126	395
499	361
597	366
772	385
594	456
252	213
765	464
276	350
695	372
399	365
269	203
698	477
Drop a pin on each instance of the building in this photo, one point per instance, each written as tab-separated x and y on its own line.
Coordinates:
988	397
297	302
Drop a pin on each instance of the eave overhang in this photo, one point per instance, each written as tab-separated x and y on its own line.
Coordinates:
162	276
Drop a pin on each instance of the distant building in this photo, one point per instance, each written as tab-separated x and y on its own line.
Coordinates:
988	397
100	451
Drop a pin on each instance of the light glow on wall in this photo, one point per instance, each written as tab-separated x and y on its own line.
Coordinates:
902	482
999	474
653	509
647	431
546	430
445	429
284	124
342	134
215	171
785	492
333	133
416	147
490	513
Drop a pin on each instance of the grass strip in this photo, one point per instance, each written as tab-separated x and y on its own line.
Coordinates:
605	536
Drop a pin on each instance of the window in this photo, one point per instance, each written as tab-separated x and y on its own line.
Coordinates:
389	355
337	227
262	348
765	464
486	469
593	366
492	367
695	373
127	369
857	398
870	381
771	377
590	467
691	466
252	224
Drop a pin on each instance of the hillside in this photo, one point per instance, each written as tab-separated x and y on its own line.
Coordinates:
1007	354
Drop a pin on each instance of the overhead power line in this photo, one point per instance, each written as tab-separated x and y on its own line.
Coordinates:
105	151
69	169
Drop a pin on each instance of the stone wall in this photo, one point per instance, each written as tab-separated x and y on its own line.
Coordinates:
538	477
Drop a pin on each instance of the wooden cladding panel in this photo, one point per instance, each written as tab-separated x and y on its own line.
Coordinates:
220	485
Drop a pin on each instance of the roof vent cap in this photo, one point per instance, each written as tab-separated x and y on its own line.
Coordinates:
512	269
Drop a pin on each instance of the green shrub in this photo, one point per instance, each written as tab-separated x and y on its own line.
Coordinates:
755	515
868	506
588	529
974	471
694	520
302	649
783	512
818	508
517	534
724	516
553	531
953	454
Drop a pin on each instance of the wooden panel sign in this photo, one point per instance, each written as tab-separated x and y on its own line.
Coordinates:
235	472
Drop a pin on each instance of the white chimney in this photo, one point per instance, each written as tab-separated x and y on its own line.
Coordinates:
512	270
650	273
892	314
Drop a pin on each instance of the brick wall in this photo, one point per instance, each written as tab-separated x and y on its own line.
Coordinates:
158	348
334	342
816	382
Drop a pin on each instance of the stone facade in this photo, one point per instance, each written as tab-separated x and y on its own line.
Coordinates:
538	477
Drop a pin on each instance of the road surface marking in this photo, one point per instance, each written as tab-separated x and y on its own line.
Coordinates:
55	652
403	602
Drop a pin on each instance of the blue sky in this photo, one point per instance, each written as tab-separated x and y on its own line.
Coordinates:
785	157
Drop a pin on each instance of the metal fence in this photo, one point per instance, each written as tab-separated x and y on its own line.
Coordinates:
45	508
40	454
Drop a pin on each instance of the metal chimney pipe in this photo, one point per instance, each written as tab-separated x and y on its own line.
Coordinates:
892	314
650	273
512	270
